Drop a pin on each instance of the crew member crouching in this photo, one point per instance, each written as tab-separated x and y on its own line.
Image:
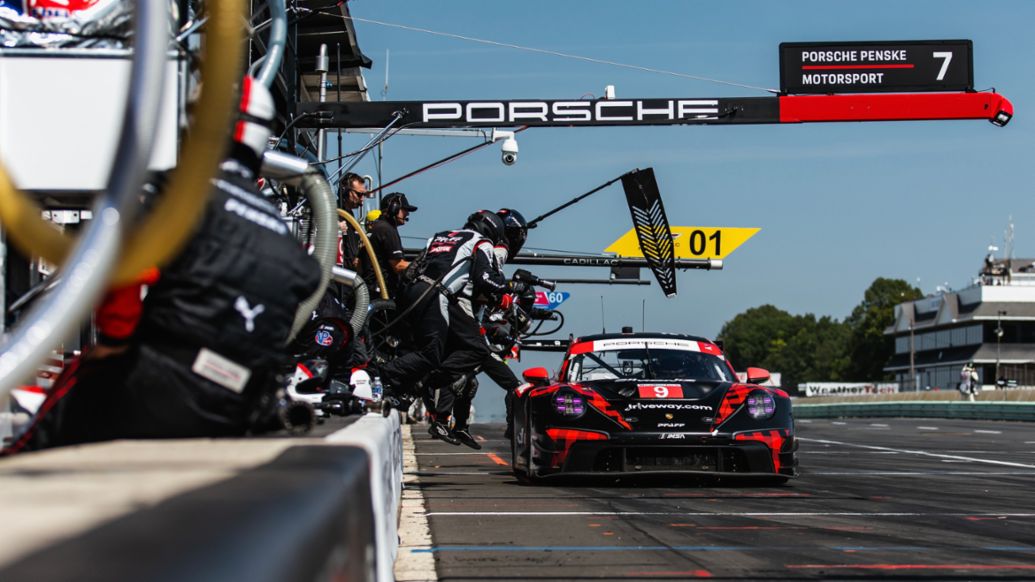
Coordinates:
200	356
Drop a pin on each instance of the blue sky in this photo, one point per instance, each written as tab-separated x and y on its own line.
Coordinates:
838	204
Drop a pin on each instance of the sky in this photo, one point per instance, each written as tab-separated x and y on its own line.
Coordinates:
838	204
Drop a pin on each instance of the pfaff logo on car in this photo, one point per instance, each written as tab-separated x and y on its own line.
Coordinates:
570	111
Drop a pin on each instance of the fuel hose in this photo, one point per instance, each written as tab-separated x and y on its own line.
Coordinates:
161	235
94	255
370	250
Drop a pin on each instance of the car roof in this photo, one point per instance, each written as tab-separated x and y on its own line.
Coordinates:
642	334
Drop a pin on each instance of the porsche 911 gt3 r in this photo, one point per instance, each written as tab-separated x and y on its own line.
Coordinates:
649	403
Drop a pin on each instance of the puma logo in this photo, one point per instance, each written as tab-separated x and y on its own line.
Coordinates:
248	312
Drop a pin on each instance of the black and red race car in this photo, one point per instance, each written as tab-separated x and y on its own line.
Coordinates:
651	403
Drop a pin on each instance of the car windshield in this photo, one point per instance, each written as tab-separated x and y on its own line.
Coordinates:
648	364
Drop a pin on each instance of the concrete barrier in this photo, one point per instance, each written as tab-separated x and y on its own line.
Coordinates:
1022	411
207	509
381	438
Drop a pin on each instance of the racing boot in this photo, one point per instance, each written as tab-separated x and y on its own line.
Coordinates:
440	431
465	437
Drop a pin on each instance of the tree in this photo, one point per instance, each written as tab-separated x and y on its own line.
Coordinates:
751	336
868	348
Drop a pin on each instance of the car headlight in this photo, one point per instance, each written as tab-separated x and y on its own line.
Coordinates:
569	404
760	405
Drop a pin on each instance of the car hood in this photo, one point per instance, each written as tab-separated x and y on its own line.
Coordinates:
694	412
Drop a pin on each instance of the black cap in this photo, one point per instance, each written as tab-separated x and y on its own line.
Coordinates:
398	201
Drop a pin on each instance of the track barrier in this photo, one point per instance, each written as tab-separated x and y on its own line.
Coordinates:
235	509
1023	411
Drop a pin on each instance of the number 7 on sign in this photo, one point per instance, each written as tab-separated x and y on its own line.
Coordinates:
945	63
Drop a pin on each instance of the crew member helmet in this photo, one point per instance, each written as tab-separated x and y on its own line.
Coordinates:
515	229
487	224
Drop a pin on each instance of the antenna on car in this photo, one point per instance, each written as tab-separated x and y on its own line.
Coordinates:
603	325
643	315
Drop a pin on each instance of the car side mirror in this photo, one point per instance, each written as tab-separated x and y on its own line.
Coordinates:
757	375
537	376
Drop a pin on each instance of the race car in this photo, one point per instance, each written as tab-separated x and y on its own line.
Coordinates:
651	403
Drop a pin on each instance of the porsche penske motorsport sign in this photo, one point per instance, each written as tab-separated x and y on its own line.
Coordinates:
876	67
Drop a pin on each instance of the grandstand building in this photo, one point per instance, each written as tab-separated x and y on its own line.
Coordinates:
990	324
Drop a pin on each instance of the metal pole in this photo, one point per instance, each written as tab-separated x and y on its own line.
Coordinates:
912	351
323	67
602	281
270	63
366	148
998	341
86	271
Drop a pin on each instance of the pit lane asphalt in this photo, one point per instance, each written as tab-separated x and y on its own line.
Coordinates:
901	499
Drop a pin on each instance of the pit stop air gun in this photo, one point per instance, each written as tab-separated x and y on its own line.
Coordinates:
506	327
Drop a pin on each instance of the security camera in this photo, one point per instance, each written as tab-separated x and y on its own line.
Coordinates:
510	146
510	151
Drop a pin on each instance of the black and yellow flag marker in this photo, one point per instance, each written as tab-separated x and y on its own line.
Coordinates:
690	242
651	226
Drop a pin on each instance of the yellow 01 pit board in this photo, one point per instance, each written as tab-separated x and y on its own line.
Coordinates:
691	242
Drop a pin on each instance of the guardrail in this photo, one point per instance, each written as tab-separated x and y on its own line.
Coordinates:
1024	411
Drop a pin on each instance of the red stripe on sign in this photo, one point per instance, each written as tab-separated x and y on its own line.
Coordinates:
836	67
892	107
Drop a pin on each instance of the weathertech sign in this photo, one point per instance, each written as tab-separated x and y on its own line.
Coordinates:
873	67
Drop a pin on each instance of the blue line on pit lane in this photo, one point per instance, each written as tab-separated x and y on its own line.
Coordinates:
504	548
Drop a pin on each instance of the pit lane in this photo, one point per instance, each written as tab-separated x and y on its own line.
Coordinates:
887	499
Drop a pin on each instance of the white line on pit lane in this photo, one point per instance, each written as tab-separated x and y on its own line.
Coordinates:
441	454
988	431
922	453
839	423
916	473
927	428
718	514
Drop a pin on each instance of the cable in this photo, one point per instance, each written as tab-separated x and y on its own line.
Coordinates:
368	147
442	162
559	54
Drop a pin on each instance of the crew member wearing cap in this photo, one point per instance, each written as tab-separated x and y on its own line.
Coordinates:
384	236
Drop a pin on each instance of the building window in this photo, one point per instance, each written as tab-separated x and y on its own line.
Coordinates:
974	335
941	339
902	344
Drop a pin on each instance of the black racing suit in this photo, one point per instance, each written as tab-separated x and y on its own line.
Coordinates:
384	237
460	403
211	340
458	273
